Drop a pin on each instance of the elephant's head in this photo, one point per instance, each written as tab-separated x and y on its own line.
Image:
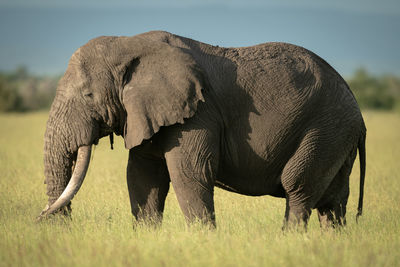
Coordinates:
129	86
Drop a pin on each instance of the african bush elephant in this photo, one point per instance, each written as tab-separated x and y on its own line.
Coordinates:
271	119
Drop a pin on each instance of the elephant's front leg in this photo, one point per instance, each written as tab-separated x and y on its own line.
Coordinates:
193	166
148	185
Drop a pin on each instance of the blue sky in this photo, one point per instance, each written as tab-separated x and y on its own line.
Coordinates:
42	34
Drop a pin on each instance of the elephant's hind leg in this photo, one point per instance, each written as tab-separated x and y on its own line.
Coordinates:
332	206
307	175
148	185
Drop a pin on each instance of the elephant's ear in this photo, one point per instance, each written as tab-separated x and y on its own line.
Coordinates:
163	88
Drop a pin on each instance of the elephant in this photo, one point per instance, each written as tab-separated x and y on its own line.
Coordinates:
271	119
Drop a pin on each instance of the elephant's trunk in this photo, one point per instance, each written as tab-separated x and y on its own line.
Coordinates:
62	140
81	166
58	158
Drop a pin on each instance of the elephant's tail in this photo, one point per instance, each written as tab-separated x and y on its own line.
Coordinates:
361	151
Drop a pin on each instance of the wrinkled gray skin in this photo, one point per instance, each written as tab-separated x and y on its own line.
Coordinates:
272	119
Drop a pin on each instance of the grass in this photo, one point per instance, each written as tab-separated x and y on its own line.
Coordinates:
249	228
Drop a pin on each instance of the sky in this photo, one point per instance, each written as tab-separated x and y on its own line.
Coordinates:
349	34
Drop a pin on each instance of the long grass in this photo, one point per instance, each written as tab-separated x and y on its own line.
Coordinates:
249	228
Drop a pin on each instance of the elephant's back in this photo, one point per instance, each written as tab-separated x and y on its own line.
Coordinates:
284	79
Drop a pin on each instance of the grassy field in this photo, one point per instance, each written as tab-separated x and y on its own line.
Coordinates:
249	228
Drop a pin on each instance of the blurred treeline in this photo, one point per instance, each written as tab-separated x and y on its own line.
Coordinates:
375	92
22	91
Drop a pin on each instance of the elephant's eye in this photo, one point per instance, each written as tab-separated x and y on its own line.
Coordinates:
88	95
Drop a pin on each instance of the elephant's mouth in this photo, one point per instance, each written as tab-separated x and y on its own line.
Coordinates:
78	175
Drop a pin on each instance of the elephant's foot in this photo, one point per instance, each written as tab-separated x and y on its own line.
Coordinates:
203	216
332	217
296	219
153	220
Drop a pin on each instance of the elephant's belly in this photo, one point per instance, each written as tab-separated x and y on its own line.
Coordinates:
247	182
254	167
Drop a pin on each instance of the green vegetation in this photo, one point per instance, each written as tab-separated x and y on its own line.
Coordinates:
249	228
375	92
22	91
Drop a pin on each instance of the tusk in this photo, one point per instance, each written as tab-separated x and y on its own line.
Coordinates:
81	166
